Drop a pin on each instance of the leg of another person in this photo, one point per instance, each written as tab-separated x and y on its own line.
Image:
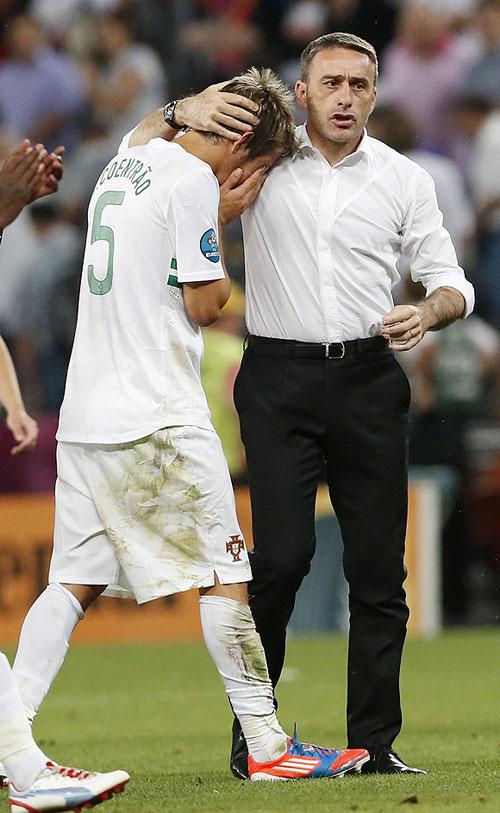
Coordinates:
277	400
367	476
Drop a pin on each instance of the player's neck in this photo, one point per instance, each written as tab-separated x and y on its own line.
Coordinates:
212	153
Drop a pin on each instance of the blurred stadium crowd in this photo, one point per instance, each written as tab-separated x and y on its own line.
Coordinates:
83	72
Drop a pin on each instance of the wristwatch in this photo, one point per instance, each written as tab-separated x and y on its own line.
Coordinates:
169	115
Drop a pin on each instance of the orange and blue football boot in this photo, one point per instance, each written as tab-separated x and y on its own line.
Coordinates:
304	761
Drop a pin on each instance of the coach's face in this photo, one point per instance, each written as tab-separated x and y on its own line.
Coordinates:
338	94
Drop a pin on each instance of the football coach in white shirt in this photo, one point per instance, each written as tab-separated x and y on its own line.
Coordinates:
320	388
320	385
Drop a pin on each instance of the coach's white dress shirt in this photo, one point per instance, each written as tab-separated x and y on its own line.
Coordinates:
322	243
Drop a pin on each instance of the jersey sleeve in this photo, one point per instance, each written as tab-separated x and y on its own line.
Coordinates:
124	142
194	210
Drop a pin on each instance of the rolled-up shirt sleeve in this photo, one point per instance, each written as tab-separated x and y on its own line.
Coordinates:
428	246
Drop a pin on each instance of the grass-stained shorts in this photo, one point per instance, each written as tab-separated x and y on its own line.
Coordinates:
150	517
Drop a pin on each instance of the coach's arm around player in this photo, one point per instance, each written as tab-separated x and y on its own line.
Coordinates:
214	110
228	115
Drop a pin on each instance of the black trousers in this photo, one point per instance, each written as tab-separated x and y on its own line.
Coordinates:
300	417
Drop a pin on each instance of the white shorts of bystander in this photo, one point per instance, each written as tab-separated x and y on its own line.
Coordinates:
149	517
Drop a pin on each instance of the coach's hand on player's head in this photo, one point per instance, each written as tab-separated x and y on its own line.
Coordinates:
236	196
24	429
215	111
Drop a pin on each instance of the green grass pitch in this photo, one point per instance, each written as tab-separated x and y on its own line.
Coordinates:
160	713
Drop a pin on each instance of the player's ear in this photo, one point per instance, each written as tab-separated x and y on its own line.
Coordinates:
242	141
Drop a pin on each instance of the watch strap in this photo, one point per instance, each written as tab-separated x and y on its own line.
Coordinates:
169	115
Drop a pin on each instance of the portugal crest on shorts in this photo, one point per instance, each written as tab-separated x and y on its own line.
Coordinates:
235	546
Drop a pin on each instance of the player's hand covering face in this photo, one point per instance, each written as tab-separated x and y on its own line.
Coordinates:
236	194
243	184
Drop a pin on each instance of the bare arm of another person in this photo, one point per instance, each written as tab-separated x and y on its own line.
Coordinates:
22	426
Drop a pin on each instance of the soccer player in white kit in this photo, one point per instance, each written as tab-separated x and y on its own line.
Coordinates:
144	501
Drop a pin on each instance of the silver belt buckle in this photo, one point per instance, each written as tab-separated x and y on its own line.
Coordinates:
327	346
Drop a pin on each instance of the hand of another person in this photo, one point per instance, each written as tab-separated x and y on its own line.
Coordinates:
235	197
19	175
225	114
48	180
24	429
403	327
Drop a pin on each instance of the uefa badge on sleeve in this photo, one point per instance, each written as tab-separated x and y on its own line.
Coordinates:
209	247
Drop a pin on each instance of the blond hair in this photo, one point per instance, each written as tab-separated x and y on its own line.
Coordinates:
276	112
337	40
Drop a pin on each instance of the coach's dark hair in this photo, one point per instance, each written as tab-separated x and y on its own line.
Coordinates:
337	40
276	127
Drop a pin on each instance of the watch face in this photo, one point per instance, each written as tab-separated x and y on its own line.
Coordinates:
168	114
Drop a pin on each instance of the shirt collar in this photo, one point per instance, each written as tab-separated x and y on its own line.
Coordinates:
364	147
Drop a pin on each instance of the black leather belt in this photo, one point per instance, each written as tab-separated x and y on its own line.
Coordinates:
263	346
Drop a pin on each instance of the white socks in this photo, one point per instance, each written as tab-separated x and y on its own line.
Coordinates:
236	649
43	644
21	757
231	639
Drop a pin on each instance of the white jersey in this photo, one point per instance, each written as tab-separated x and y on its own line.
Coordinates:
135	364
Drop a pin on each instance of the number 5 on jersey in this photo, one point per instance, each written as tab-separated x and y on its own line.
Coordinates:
100	232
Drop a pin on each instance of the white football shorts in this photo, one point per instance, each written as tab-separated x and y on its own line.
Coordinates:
149	518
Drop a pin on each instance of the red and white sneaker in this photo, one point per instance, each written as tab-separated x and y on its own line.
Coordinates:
304	761
57	788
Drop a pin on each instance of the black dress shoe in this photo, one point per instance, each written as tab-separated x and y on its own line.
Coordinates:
238	762
384	760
